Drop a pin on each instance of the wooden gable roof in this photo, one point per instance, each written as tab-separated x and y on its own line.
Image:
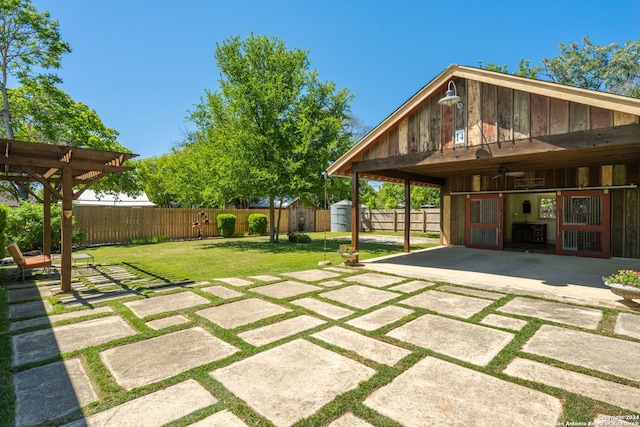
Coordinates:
504	119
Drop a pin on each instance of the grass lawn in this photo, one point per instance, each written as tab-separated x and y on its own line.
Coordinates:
245	256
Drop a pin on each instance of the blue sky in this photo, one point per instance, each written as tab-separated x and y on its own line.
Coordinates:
142	64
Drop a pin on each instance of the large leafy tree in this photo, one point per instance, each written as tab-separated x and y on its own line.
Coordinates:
28	39
274	124
613	68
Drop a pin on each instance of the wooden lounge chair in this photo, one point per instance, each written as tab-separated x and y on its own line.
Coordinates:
29	263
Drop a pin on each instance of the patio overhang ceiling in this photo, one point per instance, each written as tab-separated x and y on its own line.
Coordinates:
619	144
26	162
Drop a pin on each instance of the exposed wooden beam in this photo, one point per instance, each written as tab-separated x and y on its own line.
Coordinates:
42	181
401	176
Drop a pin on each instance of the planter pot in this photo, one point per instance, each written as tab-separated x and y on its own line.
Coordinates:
627	292
349	258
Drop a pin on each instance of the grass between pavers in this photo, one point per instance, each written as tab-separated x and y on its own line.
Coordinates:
576	408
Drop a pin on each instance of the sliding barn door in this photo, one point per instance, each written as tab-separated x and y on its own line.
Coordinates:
583	223
484	221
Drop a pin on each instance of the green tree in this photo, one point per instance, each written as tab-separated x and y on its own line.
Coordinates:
28	40
612	68
274	125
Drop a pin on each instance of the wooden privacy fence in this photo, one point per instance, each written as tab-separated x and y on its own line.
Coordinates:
105	224
423	220
108	224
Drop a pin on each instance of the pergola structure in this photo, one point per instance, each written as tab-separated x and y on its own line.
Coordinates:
64	173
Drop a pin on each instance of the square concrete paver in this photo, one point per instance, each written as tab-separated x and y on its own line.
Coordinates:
628	324
21	324
471	343
360	296
612	355
167	322
48	392
285	328
379	318
155	409
312	275
221	292
235	281
323	308
172	353
162	304
445	303
414	285
595	388
438	393
223	418
332	283
375	279
349	420
44	343
29	309
504	322
292	381
265	278
370	348
583	317
285	289
472	292
341	269
242	312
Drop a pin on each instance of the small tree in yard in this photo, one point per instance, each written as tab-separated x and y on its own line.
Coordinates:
274	124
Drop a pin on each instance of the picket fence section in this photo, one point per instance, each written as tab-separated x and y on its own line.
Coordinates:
106	224
424	220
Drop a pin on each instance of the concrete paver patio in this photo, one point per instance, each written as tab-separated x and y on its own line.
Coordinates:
346	346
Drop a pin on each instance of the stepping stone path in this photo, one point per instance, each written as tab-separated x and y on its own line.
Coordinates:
285	289
379	318
292	381
439	393
154	409
44	343
583	317
446	303
375	279
162	304
323	308
370	348
470	343
276	331
414	285
53	382
611	355
312	275
360	296
279	350
222	292
241	313
131	366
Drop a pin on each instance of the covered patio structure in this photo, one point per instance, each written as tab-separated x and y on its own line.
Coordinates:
64	173
521	163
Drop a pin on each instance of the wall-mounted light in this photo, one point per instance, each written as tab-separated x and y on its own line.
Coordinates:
451	96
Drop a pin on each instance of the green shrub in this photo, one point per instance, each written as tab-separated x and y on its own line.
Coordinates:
299	238
226	224
258	223
4	213
25	227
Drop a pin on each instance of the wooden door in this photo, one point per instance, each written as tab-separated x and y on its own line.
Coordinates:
583	223
484	221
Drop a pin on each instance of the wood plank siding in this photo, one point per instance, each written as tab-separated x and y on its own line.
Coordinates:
557	138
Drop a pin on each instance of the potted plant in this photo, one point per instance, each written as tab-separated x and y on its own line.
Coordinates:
624	283
348	252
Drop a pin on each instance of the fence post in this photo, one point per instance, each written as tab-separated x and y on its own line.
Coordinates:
395	220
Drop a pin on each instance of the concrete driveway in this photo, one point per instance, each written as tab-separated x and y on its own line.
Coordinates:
337	346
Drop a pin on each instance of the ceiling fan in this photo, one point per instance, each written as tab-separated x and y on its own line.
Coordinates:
503	171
